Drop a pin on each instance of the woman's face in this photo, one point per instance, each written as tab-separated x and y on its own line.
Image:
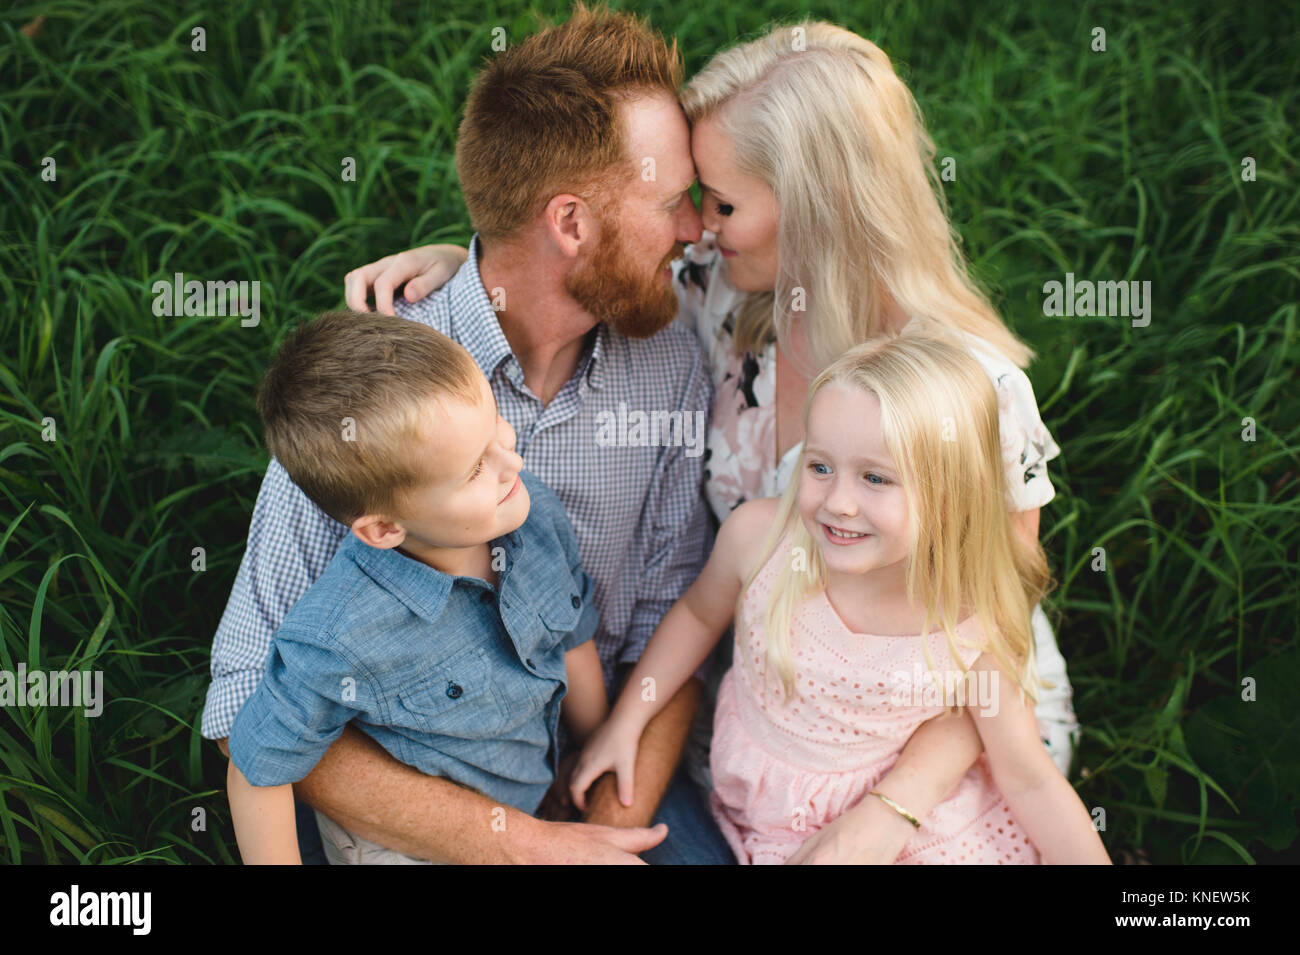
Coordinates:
740	209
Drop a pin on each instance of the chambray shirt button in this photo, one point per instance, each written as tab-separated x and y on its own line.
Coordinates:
576	601
454	691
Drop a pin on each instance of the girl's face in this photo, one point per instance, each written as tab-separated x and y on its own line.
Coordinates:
740	209
850	496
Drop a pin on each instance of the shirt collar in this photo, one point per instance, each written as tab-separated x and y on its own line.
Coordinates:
420	587
593	365
473	319
475	325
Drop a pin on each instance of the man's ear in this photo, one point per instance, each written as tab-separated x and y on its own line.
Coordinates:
377	531
569	224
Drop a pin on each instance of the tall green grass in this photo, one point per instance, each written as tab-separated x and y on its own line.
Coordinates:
225	164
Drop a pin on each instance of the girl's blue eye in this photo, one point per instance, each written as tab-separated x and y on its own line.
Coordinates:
869	475
817	464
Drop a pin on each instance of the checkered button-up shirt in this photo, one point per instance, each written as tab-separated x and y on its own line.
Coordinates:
628	473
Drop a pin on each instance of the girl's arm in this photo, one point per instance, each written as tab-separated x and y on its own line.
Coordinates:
264	821
681	642
1041	799
585	704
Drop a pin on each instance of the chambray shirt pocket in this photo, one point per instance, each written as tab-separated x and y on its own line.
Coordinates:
454	700
569	616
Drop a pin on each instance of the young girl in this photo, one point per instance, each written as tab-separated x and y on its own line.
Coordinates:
895	522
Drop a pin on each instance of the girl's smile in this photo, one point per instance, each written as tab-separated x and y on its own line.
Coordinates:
842	537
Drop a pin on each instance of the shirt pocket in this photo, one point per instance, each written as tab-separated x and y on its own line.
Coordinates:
560	615
456	700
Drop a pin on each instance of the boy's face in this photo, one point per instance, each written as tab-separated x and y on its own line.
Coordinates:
474	493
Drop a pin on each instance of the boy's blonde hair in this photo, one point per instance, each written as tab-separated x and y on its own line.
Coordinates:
342	407
818	114
939	419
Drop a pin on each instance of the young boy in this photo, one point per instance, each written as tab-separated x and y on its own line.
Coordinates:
452	617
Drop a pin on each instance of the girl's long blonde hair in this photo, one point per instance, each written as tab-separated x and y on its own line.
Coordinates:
939	420
818	113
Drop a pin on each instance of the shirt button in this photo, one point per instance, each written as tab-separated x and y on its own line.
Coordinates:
454	691
576	601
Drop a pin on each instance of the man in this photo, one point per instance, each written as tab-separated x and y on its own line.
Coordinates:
566	304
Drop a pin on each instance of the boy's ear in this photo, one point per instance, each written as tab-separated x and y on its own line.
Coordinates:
376	530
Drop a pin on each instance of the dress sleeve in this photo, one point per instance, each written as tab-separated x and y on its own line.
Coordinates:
1027	445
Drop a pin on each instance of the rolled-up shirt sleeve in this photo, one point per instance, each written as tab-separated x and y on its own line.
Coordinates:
290	541
680	525
307	694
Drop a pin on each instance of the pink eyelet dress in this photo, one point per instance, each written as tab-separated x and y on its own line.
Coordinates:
782	772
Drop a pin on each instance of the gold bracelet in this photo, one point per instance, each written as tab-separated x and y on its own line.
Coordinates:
897	808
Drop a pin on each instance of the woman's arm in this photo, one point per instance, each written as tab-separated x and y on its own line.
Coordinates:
424	270
1041	799
1026	524
943	749
930	766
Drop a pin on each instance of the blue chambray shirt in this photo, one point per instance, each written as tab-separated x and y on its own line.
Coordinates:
451	676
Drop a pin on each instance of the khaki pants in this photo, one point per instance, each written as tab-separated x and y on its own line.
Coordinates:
343	848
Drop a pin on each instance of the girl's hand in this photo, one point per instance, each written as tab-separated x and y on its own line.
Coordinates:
424	270
612	746
862	836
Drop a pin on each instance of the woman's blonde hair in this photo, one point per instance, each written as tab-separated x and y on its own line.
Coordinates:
939	422
818	113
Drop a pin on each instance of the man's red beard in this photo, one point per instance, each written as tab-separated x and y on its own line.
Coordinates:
611	287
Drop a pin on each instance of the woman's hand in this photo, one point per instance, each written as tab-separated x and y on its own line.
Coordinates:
424	270
612	746
868	834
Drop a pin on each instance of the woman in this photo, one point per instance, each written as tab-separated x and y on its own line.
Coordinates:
826	228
